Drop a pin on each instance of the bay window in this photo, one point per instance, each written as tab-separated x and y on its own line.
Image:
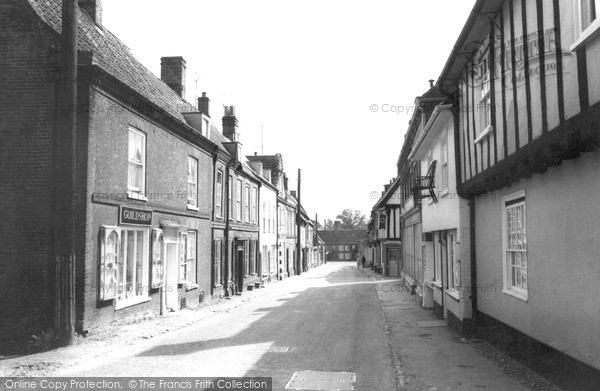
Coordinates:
133	265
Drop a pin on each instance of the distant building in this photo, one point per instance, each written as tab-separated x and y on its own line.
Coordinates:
343	245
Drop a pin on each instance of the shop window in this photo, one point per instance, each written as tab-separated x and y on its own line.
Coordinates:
109	259
136	172
133	265
514	238
158	258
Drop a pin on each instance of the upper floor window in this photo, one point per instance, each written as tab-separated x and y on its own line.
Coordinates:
192	181
239	200
230	197
247	204
264	212
254	201
444	159
588	12
219	195
136	173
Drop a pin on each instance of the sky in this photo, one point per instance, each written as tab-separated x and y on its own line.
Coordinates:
328	84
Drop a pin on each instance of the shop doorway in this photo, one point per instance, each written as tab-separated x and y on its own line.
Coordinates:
171	277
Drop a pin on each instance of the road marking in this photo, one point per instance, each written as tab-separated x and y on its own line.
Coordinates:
322	381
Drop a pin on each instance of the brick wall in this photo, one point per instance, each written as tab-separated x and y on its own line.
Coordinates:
26	121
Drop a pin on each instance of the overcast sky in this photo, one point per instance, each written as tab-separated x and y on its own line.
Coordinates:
308	73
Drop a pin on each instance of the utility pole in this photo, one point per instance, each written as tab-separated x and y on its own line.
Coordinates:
66	190
298	226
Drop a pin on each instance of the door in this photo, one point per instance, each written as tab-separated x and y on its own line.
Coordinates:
239	267
172	276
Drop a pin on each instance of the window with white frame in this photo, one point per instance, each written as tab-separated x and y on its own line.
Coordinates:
437	258
247	204
136	172
219	191
187	256
230	197
239	200
254	201
133	265
444	159
483	73
588	12
453	263
109	262
514	238
264	216
192	182
158	258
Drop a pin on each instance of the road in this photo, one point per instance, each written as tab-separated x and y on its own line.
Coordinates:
326	320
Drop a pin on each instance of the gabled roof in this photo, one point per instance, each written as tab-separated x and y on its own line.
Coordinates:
343	236
114	57
388	193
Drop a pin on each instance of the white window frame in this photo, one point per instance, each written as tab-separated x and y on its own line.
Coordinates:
247	203
509	288
188	261
485	103
230	197
135	192
585	34
254	200
444	162
158	258
218	262
219	195
192	203
109	263
238	200
122	300
453	265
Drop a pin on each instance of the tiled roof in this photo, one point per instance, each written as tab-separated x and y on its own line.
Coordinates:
343	236
115	58
270	162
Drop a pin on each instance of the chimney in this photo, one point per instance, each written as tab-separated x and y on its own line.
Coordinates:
230	123
93	8
338	225
431	83
203	103
293	193
386	188
172	72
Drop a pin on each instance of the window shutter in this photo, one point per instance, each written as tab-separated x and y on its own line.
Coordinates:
158	258
110	248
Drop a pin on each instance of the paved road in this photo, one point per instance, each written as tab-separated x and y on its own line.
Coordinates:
329	319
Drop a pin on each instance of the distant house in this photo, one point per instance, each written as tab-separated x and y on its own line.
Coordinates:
343	245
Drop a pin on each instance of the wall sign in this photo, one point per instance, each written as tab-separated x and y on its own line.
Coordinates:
135	216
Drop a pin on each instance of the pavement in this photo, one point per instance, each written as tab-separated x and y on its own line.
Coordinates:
336	319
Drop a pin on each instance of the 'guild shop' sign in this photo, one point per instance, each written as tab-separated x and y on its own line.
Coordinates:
135	216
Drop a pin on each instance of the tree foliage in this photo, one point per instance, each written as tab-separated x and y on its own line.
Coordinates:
352	219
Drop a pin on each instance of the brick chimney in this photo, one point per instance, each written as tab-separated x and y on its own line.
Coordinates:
172	72
337	225
230	123
93	8
203	103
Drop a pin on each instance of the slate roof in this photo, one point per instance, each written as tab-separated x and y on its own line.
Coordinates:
343	236
114	57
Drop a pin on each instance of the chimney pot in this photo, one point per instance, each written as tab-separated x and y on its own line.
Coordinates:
172	72
431	83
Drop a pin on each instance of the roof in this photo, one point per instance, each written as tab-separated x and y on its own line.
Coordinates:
270	162
343	236
114	57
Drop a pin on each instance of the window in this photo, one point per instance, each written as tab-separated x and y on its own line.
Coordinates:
382	221
253	257
514	238
341	256
219	190
133	265
188	257
192	180
484	107
341	247
444	160
158	258
239	201
247	204
230	197
109	260
437	259
136	172
588	12
254	200
453	264
264	213
218	262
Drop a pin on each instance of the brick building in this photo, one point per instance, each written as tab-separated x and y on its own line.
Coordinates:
143	216
343	245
